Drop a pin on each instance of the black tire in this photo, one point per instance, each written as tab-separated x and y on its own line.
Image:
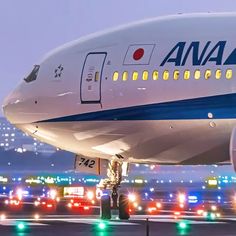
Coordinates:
105	207
124	207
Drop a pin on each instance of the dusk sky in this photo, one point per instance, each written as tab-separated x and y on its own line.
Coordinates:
30	28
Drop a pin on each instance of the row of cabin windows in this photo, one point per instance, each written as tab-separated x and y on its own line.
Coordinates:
176	75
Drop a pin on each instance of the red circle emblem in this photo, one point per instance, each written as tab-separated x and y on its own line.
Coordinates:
138	54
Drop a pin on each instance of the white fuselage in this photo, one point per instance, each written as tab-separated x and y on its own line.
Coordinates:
158	91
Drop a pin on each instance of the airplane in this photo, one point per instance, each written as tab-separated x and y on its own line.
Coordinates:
157	91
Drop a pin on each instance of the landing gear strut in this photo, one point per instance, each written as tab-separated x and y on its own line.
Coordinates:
112	183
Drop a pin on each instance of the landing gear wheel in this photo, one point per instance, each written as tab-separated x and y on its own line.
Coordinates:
124	207
105	208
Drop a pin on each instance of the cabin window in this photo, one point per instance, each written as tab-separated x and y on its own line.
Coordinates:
145	75
187	75
125	76
155	75
207	74
176	74
197	74
135	75
229	74
218	74
115	76
166	75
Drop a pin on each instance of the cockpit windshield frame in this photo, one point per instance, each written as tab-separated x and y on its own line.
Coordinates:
33	74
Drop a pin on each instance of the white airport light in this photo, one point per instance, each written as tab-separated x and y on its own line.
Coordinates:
19	193
140	208
182	198
132	197
3	217
53	193
158	205
90	195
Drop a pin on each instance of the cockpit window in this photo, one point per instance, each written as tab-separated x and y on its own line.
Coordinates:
33	75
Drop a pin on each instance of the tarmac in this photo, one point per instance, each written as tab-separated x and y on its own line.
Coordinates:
141	225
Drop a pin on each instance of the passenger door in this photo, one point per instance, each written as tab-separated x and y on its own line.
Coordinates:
91	80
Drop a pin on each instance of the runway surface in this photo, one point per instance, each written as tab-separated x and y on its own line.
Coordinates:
137	225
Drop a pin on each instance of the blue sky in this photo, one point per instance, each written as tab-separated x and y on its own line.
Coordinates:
30	28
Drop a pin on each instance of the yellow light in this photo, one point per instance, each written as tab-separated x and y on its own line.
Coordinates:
200	212
36	217
212	182
158	205
213	208
138	181
3	217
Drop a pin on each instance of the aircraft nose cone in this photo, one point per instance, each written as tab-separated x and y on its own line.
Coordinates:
8	107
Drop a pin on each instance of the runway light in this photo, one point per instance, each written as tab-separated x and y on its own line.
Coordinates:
102	226
183	227
21	226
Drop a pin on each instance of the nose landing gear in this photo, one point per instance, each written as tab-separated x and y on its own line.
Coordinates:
112	183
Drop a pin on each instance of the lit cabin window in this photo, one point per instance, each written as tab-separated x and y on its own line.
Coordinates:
187	75
155	75
176	74
229	74
135	75
207	74
218	74
115	76
197	74
145	75
125	76
166	75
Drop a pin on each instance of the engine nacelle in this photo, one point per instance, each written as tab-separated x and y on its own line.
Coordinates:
233	148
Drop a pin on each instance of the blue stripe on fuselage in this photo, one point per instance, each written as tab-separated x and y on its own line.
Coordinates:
221	106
